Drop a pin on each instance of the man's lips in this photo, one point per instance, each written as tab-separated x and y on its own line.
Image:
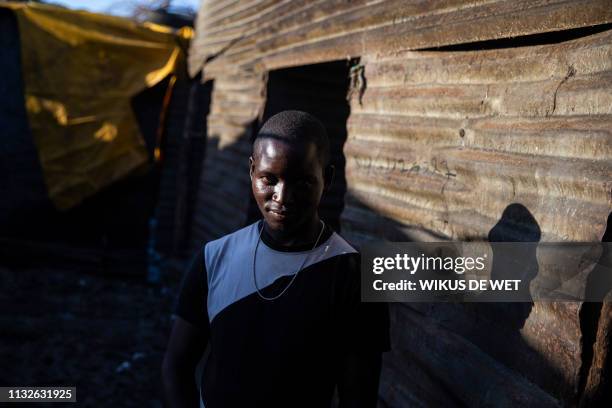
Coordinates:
280	214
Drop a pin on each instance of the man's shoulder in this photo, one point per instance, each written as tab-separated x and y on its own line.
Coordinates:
341	245
346	255
241	237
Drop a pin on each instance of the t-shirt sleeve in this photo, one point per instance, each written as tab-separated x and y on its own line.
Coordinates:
191	302
366	323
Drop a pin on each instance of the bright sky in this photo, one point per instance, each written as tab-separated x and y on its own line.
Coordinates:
104	6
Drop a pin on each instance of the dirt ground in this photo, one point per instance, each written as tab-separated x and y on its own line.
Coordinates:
103	334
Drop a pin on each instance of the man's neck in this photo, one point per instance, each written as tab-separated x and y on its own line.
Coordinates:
304	234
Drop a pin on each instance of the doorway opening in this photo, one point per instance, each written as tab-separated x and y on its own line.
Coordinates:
321	90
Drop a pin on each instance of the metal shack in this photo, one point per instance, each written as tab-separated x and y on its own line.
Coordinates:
449	120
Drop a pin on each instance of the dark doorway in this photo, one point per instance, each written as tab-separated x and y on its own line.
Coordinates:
321	90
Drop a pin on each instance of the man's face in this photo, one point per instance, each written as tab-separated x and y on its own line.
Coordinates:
287	181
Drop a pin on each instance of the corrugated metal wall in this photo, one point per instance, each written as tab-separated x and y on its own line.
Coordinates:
512	142
442	143
193	152
280	33
183	143
172	142
224	191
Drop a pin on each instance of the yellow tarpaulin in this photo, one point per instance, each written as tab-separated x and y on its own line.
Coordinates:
80	71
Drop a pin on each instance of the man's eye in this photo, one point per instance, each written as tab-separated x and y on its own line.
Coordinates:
268	180
306	183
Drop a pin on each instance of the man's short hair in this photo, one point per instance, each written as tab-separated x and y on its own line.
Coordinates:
294	126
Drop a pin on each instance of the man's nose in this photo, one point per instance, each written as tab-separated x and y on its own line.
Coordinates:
283	193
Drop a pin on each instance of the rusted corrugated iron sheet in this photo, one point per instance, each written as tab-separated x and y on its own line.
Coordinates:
224	191
445	141
598	388
183	155
171	145
449	145
287	33
193	151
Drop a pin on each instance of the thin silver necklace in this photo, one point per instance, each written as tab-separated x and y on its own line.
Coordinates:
294	276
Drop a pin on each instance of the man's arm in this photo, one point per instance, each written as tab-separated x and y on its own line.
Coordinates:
188	338
185	348
359	378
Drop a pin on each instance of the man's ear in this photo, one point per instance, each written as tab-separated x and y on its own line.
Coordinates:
251	166
328	177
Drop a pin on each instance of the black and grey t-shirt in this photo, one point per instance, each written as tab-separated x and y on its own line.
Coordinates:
284	352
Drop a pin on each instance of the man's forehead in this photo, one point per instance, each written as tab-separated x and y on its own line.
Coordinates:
278	148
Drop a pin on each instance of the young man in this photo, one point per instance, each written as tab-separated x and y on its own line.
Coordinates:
278	301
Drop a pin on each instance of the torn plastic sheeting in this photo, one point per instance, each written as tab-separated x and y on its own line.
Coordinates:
80	72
